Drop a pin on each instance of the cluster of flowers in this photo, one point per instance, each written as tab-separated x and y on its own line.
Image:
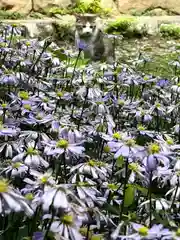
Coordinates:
88	151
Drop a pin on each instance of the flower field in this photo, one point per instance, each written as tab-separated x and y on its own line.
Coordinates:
88	150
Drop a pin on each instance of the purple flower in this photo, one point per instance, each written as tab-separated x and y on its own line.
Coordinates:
38	236
9	131
9	79
40	118
82	45
109	75
162	83
61	146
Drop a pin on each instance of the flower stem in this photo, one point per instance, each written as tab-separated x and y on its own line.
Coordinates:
75	65
150	199
124	189
64	164
83	107
12	31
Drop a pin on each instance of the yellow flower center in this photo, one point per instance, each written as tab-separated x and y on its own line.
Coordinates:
3	186
32	151
45	100
106	149
146	78
120	102
92	163
99	103
67	219
158	105
14	25
117	136
170	141
4	105
27	106
141	128
16	165
62	144
143	231
28	44
44	179
153	148
130	142
59	94
39	116
29	196
134	167
23	95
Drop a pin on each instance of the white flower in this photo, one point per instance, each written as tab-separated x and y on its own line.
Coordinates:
31	157
54	196
11	200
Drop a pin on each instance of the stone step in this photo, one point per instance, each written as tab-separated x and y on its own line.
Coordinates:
43	27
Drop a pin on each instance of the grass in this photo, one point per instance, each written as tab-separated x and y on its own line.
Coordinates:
157	53
94	7
170	30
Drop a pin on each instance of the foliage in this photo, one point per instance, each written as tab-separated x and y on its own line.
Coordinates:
87	150
63	32
36	15
120	25
170	30
93	7
10	15
126	26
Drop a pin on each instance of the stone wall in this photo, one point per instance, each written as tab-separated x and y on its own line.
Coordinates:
134	7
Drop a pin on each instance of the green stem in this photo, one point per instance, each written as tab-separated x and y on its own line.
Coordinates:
124	189
75	65
150	199
83	107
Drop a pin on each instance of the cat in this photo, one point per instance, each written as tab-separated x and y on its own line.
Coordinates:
90	37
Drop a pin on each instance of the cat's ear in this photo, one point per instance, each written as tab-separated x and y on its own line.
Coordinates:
90	18
78	18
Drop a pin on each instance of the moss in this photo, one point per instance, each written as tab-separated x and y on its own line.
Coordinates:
10	15
126	26
93	7
170	30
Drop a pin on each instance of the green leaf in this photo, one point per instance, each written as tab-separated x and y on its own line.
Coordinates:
120	161
97	237
143	190
129	196
111	209
59	53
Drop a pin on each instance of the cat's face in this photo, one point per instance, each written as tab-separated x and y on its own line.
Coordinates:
86	25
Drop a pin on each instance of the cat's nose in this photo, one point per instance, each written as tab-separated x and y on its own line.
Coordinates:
87	31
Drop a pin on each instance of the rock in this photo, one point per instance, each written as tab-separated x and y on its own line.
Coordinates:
135	7
157	12
21	6
44	4
141	6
